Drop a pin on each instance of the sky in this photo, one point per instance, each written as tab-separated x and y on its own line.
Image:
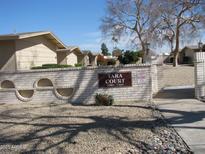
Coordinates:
75	22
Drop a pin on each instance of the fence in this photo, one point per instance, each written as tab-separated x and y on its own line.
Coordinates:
77	85
200	75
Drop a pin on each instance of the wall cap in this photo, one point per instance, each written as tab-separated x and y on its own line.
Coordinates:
77	69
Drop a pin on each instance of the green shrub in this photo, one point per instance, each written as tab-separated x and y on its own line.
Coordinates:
36	67
47	66
104	99
78	65
129	57
55	66
111	62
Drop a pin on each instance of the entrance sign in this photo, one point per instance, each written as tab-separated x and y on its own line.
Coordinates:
113	80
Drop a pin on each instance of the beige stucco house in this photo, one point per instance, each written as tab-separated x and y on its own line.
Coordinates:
90	59
186	55
69	56
73	55
25	50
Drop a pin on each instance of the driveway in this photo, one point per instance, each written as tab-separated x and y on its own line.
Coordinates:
185	114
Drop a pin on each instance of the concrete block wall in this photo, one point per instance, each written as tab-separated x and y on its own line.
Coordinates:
154	75
199	75
83	81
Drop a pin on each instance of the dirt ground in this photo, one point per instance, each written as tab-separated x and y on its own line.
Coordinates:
176	76
63	128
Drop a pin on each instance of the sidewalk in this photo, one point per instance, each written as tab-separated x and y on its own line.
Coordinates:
187	116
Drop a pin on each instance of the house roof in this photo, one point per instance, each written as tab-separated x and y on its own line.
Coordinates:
194	48
88	53
70	49
49	35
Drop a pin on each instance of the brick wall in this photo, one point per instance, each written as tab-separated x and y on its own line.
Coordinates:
83	81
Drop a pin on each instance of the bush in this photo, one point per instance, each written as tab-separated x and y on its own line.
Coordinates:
140	53
55	66
129	57
36	67
78	65
104	99
111	62
47	66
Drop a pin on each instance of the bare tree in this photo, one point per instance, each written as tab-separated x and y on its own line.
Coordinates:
180	17
137	18
167	36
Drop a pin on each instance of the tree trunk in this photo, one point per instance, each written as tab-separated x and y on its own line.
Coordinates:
176	50
175	60
144	53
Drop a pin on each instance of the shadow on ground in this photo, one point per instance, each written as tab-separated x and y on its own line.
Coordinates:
182	117
59	131
186	93
44	132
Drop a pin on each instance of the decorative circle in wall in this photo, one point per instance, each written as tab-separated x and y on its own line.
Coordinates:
25	95
64	93
7	84
45	82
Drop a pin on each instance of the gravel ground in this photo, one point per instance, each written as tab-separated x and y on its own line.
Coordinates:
176	76
125	128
